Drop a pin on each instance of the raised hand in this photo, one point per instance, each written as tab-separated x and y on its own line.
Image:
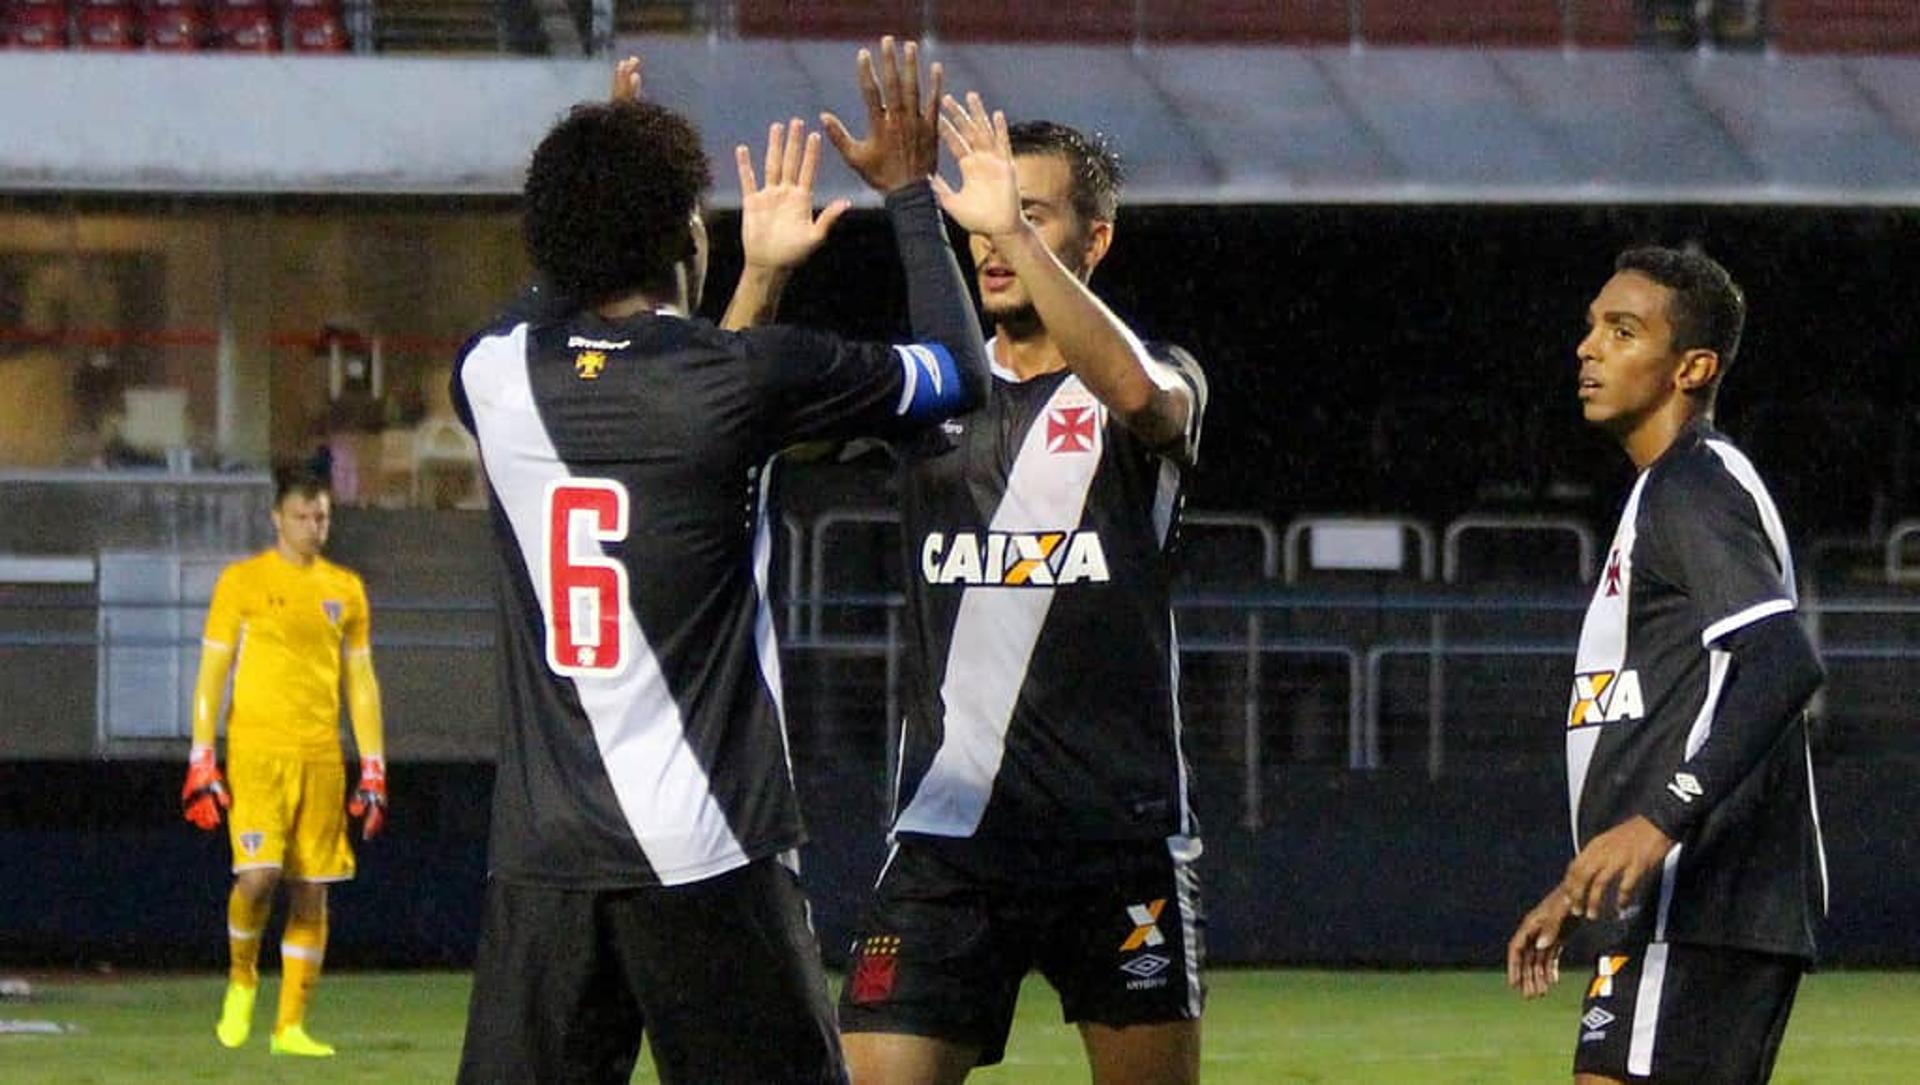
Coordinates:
902	144
778	229
988	199
626	81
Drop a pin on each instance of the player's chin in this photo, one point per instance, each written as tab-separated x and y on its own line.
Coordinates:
1008	310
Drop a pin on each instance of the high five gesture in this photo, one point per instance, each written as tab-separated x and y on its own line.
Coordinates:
902	144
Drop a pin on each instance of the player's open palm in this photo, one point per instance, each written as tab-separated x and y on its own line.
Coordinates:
988	199
902	144
778	228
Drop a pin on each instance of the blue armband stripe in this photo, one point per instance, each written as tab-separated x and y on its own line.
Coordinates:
930	382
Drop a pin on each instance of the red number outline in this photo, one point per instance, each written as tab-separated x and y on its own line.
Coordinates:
577	511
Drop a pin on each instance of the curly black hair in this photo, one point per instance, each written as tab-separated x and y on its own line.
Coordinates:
608	195
1097	172
1708	308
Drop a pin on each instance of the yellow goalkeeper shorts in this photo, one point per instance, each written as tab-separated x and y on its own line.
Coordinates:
290	815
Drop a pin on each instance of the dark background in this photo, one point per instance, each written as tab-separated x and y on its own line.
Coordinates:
1417	361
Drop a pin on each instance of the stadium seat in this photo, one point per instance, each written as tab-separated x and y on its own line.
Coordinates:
1505	23
1085	22
1847	26
38	26
107	27
1348	545
245	26
827	18
1250	22
175	28
315	30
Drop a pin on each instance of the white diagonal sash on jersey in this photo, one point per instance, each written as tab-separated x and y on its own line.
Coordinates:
1603	646
997	628
658	781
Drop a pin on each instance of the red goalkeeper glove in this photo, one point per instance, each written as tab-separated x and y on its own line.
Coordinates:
370	798
205	793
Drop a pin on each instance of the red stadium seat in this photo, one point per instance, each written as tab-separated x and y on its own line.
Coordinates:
1847	26
107	27
38	26
173	27
1017	21
1605	24
316	30
1507	23
245	26
858	19
1249	22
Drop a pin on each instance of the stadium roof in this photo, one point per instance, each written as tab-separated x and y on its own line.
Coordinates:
1196	124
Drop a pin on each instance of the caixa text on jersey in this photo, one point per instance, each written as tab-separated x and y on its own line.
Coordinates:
1014	559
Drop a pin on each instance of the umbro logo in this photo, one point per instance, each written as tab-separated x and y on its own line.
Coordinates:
1146	966
1595	1022
1686	787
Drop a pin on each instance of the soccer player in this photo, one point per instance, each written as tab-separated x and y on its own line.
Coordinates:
1689	775
644	820
1042	817
285	624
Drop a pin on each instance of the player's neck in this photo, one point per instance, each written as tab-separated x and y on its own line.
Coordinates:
1027	354
642	301
293	557
1650	440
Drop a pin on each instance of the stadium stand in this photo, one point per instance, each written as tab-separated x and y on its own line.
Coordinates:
37	24
435	26
175	26
1846	26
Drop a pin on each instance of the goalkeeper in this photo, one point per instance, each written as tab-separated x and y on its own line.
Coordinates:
285	623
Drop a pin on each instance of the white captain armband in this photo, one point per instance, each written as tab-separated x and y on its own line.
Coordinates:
930	384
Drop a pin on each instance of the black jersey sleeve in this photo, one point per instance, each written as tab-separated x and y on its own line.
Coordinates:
1711	544
821	387
1769	672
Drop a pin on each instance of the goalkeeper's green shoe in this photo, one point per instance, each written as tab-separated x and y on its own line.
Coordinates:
293	1040
236	1015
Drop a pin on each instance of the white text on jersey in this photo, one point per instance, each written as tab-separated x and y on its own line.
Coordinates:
1014	559
1606	697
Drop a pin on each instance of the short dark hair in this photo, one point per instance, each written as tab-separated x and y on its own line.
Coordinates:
1097	173
1708	310
608	195
301	480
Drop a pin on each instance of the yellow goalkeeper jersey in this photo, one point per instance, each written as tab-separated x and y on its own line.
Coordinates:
290	625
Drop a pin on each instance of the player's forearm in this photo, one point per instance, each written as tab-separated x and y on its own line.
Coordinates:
938	303
363	706
1097	346
209	689
756	298
1772	672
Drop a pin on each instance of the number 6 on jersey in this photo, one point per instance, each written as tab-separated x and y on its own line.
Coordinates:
585	588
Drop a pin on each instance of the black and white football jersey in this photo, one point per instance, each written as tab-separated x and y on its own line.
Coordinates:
1043	653
645	742
1699	554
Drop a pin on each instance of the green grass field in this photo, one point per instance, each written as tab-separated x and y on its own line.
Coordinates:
1263	1027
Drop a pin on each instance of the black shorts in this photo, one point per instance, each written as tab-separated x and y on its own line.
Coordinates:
956	924
1704	1015
723	975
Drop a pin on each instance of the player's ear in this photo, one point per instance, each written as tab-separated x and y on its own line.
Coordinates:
1099	240
1697	371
